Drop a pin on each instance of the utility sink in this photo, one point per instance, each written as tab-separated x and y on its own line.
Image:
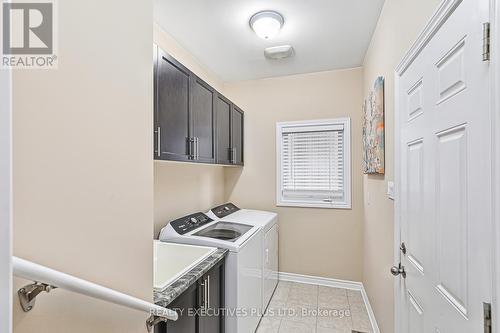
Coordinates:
172	260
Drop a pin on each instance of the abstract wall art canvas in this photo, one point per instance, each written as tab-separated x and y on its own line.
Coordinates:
373	130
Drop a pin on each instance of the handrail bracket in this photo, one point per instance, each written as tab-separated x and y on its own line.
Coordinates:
152	321
27	294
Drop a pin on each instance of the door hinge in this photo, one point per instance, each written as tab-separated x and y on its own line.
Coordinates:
487	318
403	247
486	41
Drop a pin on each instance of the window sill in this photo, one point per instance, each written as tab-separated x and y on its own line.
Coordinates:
315	205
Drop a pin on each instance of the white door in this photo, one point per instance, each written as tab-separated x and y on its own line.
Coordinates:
5	202
445	179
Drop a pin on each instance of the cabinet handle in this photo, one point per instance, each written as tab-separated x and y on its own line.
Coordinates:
232	155
158	139
197	150
205	294
194	148
208	292
191	148
203	301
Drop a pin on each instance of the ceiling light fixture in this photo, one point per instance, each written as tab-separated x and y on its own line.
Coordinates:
266	24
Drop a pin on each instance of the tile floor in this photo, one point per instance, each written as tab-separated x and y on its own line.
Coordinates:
305	308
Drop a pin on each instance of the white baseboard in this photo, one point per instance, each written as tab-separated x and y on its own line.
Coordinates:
320	281
344	284
371	314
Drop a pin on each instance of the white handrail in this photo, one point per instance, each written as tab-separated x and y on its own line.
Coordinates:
35	272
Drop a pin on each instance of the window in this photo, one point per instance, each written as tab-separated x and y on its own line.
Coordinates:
314	163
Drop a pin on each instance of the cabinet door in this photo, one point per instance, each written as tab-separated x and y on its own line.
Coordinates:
202	120
187	323
237	135
211	292
171	108
223	114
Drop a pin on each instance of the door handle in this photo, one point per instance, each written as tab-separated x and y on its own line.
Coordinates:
398	270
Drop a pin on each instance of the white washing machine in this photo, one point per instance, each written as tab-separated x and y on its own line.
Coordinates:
268	222
243	270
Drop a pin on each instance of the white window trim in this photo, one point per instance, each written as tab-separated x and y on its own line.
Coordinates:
346	204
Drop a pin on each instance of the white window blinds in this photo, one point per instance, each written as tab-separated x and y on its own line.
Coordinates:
313	164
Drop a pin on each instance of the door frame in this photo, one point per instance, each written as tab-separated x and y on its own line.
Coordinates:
6	198
495	100
439	17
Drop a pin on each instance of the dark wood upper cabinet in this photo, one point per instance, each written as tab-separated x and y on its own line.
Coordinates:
193	122
229	132
223	108
237	135
171	109
202	120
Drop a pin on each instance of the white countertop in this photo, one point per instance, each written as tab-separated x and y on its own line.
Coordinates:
172	260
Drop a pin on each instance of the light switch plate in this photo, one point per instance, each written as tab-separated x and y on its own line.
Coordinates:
390	190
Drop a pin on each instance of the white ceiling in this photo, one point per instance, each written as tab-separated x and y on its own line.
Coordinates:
326	34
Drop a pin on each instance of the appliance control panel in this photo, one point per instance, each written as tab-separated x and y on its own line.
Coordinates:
224	210
188	223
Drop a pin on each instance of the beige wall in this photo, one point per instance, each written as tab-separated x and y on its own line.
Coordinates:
398	26
313	241
5	199
83	173
184	188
